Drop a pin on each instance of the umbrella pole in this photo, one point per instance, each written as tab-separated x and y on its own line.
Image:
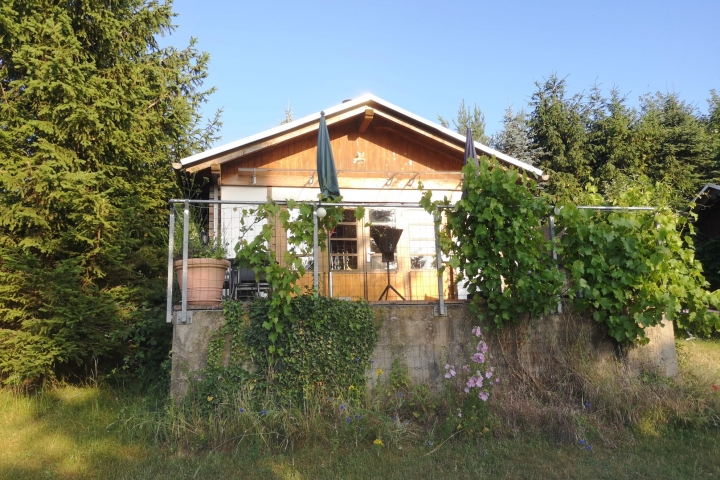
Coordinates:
315	252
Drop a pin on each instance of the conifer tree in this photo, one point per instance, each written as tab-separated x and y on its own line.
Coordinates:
557	124
465	118
92	113
514	139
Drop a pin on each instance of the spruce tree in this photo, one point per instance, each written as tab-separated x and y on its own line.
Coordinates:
92	114
465	118
558	129
514	139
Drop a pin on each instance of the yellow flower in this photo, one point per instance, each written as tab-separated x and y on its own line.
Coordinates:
378	442
486	429
210	399
352	387
379	371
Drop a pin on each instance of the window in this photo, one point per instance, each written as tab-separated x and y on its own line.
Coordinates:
303	251
380	216
344	244
422	240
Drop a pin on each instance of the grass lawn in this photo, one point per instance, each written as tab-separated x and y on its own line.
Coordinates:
71	432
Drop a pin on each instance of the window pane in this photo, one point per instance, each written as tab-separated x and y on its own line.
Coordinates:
382	216
344	231
344	262
349	216
422	231
422	261
422	246
343	246
376	263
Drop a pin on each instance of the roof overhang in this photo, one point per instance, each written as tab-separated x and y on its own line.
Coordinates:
710	193
364	107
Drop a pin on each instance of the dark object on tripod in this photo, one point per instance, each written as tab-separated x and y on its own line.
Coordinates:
386	239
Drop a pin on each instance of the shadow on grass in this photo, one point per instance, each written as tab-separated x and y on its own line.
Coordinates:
72	432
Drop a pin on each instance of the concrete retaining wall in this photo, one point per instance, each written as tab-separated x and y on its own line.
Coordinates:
424	342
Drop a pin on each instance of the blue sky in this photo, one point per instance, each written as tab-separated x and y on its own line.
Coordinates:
427	56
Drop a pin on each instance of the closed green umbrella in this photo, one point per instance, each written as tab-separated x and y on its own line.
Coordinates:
327	175
329	188
469	148
470	152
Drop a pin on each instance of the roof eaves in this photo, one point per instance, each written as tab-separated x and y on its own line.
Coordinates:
342	107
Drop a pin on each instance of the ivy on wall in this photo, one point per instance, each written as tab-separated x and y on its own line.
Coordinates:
291	342
325	344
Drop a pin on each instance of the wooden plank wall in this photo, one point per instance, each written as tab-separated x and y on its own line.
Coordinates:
385	146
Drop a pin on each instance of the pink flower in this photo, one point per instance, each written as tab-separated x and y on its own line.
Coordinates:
483	396
460	414
477	331
482	347
447	366
447	375
478	358
497	380
467	390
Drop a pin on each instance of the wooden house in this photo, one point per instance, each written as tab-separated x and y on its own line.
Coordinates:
381	154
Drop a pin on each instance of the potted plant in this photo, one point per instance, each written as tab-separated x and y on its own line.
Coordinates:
207	265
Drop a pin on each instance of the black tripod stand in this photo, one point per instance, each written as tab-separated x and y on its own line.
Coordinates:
386	239
389	287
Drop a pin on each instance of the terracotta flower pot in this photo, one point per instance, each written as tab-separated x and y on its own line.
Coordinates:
205	280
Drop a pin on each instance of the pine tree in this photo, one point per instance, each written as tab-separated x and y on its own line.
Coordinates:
712	121
514	139
92	113
675	146
464	119
558	129
288	115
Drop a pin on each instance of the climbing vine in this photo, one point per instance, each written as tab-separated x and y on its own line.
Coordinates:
495	240
631	267
254	250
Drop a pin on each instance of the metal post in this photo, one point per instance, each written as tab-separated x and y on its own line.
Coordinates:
216	213
171	248
316	281
329	250
186	237
438	262
554	255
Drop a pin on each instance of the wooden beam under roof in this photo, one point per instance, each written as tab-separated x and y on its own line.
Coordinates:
422	132
366	119
352	179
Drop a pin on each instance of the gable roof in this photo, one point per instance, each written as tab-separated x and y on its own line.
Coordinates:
709	194
367	105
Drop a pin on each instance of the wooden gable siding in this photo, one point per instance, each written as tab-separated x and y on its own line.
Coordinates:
387	148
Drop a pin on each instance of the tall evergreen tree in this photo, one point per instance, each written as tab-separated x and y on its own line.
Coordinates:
92	113
613	143
514	139
675	145
558	129
713	128
465	118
